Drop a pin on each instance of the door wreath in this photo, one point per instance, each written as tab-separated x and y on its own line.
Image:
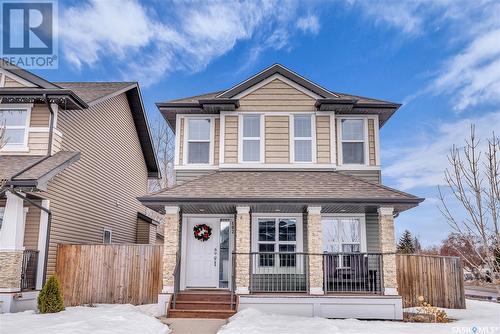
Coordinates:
202	232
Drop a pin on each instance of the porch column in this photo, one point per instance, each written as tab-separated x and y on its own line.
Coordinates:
170	247
242	249
388	249
315	247
11	244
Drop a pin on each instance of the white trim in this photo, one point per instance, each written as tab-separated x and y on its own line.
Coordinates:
24	146
312	138
16	78
42	243
314	210
2	79
196	167
258	166
55	109
333	141
385	211
261	138
41	129
376	129
362	225
242	210
172	210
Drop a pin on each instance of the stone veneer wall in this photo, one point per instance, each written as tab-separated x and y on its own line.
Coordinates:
170	247
242	249
315	247
10	269
388	250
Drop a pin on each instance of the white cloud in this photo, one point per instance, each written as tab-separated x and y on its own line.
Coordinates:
309	23
423	164
146	43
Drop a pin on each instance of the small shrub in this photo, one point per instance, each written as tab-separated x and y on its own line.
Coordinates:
50	299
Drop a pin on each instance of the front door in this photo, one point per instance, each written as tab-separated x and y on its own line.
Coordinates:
202	263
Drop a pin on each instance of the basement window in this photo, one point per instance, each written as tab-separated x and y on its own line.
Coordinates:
106	237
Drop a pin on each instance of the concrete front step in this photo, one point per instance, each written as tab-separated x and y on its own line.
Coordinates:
207	314
203	297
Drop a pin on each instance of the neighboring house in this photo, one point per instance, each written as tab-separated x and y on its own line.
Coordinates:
280	178
78	154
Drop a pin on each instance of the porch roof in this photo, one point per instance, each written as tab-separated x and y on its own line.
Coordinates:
34	171
283	190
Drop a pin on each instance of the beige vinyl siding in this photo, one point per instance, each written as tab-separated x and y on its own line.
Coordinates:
277	96
40	116
11	83
56	142
216	140
146	232
100	190
181	142
32	227
231	139
323	149
277	139
182	176
372	237
371	142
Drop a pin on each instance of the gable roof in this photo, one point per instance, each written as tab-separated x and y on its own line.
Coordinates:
82	95
326	100
282	187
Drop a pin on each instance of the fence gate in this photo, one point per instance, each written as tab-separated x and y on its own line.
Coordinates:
110	273
439	279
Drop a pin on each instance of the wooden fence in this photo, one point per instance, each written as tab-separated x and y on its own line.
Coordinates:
109	273
439	279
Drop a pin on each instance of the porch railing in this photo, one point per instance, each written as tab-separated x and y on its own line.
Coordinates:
278	272
352	272
29	270
177	279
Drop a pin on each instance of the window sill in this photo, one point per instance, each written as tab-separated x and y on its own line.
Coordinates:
13	148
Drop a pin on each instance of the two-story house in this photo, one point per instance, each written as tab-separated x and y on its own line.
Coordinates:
76	157
278	200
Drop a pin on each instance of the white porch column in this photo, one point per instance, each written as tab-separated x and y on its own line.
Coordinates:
242	249
42	243
11	244
315	247
170	250
388	249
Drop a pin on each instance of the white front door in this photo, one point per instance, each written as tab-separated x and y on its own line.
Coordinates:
202	262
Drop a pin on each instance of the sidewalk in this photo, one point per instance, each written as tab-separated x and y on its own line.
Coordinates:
193	325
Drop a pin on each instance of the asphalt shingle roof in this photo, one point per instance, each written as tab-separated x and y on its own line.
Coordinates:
91	91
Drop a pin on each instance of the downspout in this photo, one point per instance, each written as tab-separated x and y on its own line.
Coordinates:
49	222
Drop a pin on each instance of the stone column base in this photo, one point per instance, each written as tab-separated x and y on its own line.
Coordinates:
11	262
316	291
242	290
163	303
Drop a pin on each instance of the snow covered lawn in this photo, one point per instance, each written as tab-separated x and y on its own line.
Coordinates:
111	319
483	316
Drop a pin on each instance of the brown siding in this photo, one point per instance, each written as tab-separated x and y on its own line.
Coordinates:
146	232
31	227
231	140
100	189
323	139
277	96
216	140
371	142
277	139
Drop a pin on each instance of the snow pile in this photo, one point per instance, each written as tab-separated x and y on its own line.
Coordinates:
105	318
479	317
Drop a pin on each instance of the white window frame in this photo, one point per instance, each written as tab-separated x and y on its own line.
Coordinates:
293	138
299	242
366	153
185	156
24	146
241	138
104	230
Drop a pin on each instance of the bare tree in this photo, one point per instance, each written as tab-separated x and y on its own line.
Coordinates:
473	178
164	145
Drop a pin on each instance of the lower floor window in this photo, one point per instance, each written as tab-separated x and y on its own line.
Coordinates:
341	235
277	235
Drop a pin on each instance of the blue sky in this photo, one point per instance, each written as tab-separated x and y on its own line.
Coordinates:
441	59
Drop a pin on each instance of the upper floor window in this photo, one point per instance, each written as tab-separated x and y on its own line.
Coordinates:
15	123
302	138
251	139
353	141
198	141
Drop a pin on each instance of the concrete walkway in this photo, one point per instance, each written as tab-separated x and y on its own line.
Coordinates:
193	325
